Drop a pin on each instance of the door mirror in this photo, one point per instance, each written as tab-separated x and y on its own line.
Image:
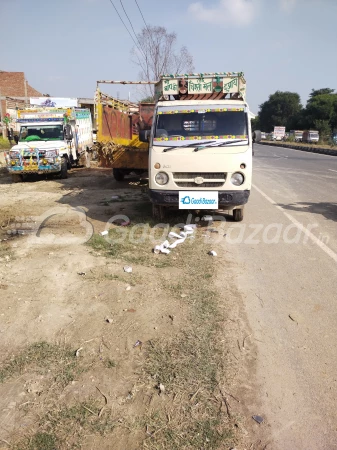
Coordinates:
256	136
16	139
144	135
68	133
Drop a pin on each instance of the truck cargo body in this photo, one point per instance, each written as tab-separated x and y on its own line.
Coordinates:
118	126
310	136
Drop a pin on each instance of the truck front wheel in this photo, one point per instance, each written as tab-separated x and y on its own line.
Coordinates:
118	174
64	168
158	212
238	215
16	178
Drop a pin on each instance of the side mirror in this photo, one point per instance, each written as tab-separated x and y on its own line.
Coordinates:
257	136
16	139
68	134
144	135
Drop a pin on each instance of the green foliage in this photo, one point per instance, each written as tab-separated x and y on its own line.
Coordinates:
256	125
323	108
278	109
285	109
323	127
148	99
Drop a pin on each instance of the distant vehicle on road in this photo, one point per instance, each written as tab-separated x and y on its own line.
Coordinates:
297	134
279	133
310	136
263	135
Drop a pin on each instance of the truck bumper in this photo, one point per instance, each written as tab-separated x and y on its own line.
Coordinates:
227	199
38	171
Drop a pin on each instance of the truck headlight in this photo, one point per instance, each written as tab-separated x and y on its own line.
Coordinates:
237	179
161	178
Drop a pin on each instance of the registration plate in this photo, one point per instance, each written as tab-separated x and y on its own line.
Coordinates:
198	200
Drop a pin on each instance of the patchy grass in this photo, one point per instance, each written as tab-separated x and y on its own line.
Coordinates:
4	144
192	367
42	441
109	363
65	427
6	251
41	357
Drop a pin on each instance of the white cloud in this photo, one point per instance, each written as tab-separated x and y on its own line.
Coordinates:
287	5
226	12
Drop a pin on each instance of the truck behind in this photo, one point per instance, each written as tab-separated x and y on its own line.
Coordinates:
50	140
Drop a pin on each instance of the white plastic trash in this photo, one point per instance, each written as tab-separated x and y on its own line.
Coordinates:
172	234
212	253
157	249
127	269
104	233
207	218
188	229
177	242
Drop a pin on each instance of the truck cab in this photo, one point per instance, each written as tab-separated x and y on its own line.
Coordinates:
200	145
50	140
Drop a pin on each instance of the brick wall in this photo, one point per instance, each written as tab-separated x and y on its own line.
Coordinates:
12	84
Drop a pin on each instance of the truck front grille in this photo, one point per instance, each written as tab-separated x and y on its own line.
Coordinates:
210	179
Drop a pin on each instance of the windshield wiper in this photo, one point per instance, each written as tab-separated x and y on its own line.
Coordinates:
219	144
167	149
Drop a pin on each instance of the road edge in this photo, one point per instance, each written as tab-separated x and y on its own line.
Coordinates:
320	150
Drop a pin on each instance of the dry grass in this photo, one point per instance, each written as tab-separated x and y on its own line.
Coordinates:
65	427
192	368
192	365
44	358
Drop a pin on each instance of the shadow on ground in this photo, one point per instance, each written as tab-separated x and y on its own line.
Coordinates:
326	209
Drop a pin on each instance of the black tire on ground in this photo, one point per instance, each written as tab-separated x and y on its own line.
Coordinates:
69	164
16	178
118	174
158	212
64	168
238	215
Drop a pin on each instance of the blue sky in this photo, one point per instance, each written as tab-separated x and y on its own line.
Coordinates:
64	46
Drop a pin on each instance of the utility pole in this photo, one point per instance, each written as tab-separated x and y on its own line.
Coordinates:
26	95
1	115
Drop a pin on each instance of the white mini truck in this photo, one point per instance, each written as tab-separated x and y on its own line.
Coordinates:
51	140
200	144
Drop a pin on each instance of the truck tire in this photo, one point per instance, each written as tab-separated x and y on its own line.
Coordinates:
158	211
64	168
69	164
118	174
16	178
238	215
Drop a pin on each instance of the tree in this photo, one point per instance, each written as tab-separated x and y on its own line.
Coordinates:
322	107
256	123
324	129
279	110
322	91
156	54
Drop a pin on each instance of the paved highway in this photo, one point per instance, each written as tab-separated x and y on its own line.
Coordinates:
286	249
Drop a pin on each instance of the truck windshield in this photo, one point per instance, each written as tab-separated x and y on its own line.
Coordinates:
176	125
41	133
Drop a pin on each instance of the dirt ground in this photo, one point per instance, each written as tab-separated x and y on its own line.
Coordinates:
92	356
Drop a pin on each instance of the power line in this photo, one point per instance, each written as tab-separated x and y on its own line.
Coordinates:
148	29
139	48
142	16
130	23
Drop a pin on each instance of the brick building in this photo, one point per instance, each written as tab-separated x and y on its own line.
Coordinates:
14	88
